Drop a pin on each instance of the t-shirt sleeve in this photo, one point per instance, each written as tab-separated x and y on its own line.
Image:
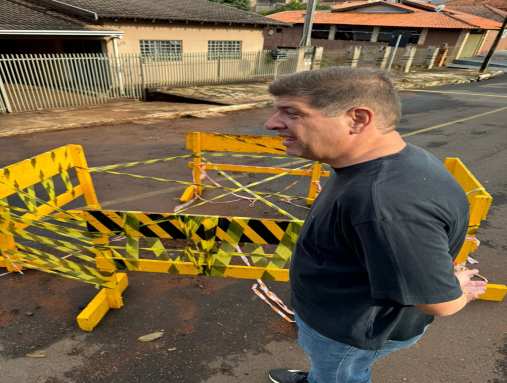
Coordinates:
408	261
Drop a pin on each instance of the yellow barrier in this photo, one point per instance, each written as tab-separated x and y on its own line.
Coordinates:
479	199
39	188
103	245
21	178
199	142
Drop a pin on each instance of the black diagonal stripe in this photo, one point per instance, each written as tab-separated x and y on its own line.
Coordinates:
283	225
224	223
168	227
257	226
105	220
143	228
206	234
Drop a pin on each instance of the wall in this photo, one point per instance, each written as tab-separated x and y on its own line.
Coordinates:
502	45
195	38
282	37
290	37
436	37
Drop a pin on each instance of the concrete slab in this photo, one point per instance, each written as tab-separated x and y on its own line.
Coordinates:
229	94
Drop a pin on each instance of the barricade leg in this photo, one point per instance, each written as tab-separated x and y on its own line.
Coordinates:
106	299
195	189
7	244
314	183
494	292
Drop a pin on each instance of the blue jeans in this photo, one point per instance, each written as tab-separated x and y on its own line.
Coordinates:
335	362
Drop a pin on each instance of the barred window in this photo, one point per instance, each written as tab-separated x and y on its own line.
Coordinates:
161	49
224	49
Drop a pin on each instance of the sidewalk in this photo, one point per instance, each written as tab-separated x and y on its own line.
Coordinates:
232	97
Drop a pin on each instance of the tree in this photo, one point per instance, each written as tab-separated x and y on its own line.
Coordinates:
241	4
294	5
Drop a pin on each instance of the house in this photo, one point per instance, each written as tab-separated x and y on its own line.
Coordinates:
382	22
492	9
28	28
147	27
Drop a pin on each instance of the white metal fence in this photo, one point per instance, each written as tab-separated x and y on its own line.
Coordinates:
37	82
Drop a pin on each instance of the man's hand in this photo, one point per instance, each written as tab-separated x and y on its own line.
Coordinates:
471	289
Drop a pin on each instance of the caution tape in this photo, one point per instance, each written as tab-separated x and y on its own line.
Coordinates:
136	163
270	298
256	183
189	183
257	196
124	165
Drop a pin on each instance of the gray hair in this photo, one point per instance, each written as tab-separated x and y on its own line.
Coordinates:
337	89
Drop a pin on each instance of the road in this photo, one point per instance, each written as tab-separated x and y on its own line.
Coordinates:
216	330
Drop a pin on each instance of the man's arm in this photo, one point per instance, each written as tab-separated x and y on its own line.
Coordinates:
471	291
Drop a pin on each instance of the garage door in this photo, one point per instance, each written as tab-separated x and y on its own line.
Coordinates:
472	45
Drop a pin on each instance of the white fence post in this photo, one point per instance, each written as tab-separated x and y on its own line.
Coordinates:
356	54
432	57
411	55
300	66
3	96
385	57
118	66
317	57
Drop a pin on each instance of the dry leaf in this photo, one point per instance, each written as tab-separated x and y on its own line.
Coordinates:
151	337
36	354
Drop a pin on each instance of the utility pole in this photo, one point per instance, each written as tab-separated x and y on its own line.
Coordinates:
306	40
486	61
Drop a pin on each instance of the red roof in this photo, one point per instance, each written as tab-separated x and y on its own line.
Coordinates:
362	4
407	20
501	12
423	15
477	21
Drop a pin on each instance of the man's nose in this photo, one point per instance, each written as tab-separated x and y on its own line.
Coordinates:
274	123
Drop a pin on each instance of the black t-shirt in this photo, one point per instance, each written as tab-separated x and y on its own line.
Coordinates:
379	239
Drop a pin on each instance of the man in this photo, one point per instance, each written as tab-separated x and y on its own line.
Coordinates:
374	261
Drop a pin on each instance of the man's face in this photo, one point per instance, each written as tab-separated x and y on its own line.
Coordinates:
306	131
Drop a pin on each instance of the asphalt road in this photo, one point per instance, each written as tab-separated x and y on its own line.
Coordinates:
216	330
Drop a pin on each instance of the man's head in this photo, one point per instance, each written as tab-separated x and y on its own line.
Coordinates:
327	114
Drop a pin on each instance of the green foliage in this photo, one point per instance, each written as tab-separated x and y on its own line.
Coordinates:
241	4
294	5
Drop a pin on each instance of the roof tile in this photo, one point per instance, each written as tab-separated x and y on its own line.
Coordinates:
22	15
405	20
172	10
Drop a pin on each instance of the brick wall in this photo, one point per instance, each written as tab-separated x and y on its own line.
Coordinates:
282	37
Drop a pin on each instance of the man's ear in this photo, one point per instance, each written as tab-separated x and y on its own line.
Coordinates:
360	119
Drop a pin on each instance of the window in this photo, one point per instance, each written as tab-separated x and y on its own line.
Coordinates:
390	36
169	50
320	31
355	33
224	49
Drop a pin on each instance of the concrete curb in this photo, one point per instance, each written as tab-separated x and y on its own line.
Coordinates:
208	112
487	76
